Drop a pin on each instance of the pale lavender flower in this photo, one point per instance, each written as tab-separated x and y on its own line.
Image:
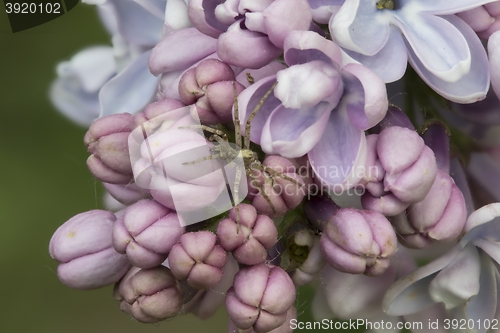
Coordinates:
250	33
102	81
465	279
83	246
326	108
441	47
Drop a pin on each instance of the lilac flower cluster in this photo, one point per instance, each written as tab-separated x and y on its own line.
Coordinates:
251	147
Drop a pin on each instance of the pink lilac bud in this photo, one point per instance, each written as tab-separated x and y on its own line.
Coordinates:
206	302
249	240
394	117
154	110
439	217
359	241
149	295
282	193
210	86
126	194
146	233
410	169
485	20
260	298
107	142
198	259
286	327
83	246
312	261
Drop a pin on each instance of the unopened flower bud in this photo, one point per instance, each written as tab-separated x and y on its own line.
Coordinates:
359	241
126	194
249	240
107	142
279	181
156	109
83	246
210	86
260	298
439	217
149	295
284	328
198	259
146	233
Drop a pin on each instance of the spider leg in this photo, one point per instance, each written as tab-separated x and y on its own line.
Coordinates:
237	134
275	173
255	183
211	157
254	112
208	129
236	198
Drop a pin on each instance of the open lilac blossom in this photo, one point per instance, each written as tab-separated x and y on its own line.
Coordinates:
83	246
107	142
260	298
210	86
250	239
323	10
242	27
146	233
465	279
104	81
442	48
359	241
149	295
333	118
197	259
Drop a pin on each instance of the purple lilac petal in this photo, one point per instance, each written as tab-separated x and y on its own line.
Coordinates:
492	249
246	48
494	56
322	10
459	280
305	85
473	86
367	27
305	46
136	24
439	46
182	41
176	16
283	16
483	306
411	293
394	49
247	101
293	133
443	7
131	90
335	157
202	15
372	93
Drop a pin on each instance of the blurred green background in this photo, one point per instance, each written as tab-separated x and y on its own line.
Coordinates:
45	181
